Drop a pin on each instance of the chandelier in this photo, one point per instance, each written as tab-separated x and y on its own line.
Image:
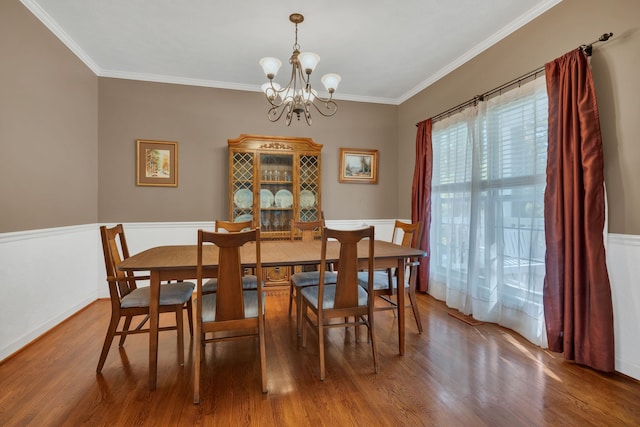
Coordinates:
297	96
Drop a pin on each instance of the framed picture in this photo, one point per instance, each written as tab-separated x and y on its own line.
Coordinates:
358	165
156	163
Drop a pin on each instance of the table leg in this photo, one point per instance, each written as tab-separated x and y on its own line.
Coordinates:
401	304
154	305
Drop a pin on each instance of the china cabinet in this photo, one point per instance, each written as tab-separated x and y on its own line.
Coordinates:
273	180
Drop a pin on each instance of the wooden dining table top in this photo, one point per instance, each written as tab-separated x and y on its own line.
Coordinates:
272	253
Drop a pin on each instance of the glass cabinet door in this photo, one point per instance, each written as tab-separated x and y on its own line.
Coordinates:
276	195
242	186
309	166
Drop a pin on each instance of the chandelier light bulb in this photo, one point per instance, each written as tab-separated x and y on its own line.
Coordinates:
331	81
270	66
308	61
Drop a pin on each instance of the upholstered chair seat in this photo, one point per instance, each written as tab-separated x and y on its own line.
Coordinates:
170	294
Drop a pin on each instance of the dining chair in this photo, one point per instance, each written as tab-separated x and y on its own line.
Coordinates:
385	281
249	281
344	299
127	300
305	232
232	312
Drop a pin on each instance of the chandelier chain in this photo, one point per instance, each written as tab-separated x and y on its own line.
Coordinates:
296	46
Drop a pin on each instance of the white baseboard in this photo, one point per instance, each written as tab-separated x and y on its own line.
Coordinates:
28	336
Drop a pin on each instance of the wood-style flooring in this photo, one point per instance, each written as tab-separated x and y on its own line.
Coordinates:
453	374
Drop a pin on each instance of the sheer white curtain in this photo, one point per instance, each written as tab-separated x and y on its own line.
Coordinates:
487	230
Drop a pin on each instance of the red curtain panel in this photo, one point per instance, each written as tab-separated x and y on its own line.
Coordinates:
421	196
577	293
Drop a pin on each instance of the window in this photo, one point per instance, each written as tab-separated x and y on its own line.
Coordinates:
487	231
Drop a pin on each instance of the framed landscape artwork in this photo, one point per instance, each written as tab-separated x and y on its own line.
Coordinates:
358	165
156	163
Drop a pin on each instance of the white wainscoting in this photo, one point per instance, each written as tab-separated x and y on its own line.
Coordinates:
48	275
45	277
623	263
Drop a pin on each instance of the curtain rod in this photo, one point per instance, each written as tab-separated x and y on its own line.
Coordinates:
586	48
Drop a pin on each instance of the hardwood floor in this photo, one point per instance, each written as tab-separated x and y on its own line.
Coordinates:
452	375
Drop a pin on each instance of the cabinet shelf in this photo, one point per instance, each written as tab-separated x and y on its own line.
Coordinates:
276	182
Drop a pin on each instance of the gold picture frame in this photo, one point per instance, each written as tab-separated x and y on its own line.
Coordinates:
156	163
358	165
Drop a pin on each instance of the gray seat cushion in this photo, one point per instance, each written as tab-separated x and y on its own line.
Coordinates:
311	293
249	283
380	280
309	278
170	294
250	305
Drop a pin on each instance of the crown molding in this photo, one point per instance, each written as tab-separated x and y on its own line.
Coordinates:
48	22
481	47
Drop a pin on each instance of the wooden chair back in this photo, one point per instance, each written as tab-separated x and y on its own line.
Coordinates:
347	281
115	250
229	300
232	227
410	237
306	231
410	233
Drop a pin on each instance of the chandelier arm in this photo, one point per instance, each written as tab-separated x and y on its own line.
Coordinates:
282	91
289	113
272	101
275	113
298	85
292	79
304	77
325	99
329	105
307	113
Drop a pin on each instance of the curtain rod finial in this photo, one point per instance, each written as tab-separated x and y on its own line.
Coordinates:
588	48
605	37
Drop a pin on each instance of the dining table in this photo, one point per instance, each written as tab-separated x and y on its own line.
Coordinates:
164	263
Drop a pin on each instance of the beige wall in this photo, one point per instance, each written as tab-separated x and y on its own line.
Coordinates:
201	120
615	67
48	128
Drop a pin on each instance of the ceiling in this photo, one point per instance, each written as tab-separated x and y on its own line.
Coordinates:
385	50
